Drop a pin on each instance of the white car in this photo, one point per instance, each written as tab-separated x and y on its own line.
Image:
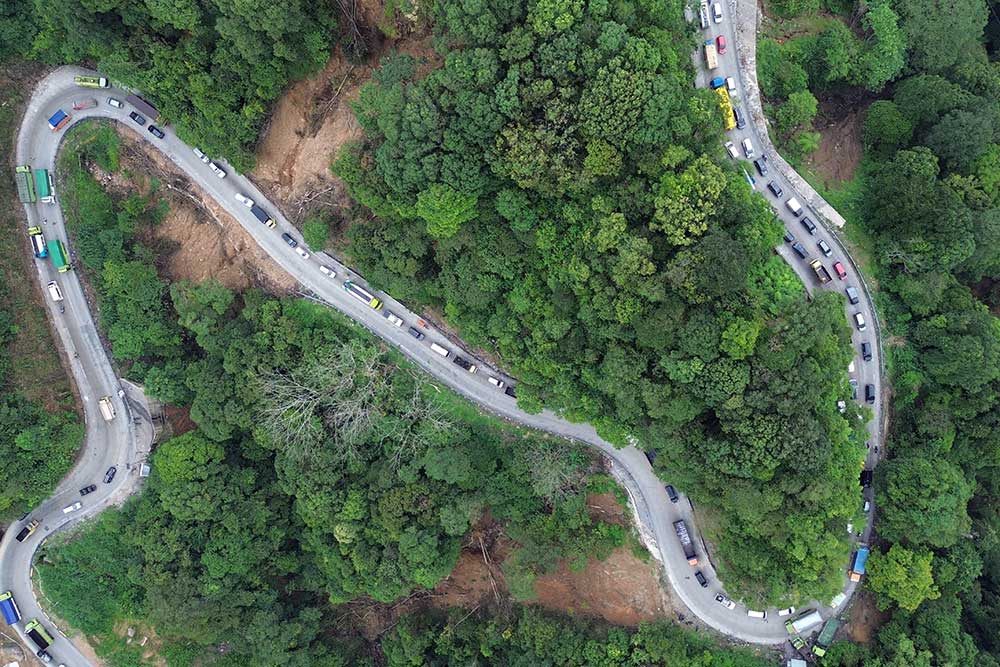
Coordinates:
496	382
394	319
748	149
859	321
217	169
731	148
201	156
302	253
327	271
786	612
72	508
725	602
717	12
115	103
243	199
730	84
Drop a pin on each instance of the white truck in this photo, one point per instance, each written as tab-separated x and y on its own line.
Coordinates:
794	206
107	408
803	622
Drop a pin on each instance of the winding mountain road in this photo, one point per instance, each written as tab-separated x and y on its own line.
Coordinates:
115	442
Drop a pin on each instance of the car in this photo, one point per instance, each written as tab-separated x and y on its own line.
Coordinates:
219	171
852	296
115	103
701	578
301	252
201	156
866	351
88	489
789	237
496	382
866	478
787	611
748	148
841	271
156	132
731	149
756	614
289	240
859	321
138	118
717	82
869	393
720	44
725	602
672	493
800	250
774	188
416	333
854	388
72	508
464	363
866	507
110	474
809	225
730	84
44	656
510	391
650	456
761	164
394	319
717	12
243	199
824	248
738	116
327	271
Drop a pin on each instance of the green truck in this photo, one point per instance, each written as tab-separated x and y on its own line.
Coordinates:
59	257
43	186
825	637
91	81
25	184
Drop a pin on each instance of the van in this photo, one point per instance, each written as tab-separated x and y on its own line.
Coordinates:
756	614
866	351
731	149
869	393
741	120
717	12
794	206
54	291
859	321
672	493
748	148
730	84
799	250
809	225
440	350
852	296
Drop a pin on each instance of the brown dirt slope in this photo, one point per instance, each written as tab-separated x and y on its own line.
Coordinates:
840	147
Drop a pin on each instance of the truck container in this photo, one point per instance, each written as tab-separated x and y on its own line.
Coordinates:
91	81
803	622
59	120
25	184
363	295
86	103
107	408
39	635
794	206
43	186
262	215
38	242
821	272
711	56
59	257
685	538
11	614
27	530
860	559
825	637
143	107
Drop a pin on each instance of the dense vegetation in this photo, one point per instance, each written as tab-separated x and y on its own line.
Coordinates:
552	186
931	207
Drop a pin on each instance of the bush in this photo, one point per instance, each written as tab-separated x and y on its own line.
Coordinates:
316	232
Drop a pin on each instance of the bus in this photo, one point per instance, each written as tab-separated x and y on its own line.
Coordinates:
43	185
38	634
363	295
91	81
38	242
25	185
711	57
60	259
728	119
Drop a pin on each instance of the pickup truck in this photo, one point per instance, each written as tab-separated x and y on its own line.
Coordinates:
821	272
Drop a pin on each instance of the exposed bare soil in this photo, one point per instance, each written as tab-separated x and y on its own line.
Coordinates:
840	147
865	618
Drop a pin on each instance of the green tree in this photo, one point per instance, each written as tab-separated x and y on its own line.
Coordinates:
316	232
939	34
902	576
886	129
884	54
444	209
925	502
796	113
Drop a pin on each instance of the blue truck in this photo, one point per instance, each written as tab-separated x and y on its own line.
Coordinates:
11	614
58	120
860	558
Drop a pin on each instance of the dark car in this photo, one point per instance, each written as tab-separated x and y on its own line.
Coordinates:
774	188
419	335
289	240
510	391
156	132
852	295
866	477
741	120
88	489
138	118
824	248
701	578
854	389
110	474
869	393
809	225
799	250
789	237
672	493
866	351
650	456
761	164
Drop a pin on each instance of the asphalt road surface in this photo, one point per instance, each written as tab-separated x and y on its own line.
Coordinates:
114	443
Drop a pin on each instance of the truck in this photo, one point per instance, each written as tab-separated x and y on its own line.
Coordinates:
821	272
27	530
107	408
11	614
39	635
711	56
794	206
91	81
703	14
59	257
43	186
803	622
262	215
143	107
685	538
860	559
726	105
59	120
363	295
25	184
825	637
86	103
38	242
